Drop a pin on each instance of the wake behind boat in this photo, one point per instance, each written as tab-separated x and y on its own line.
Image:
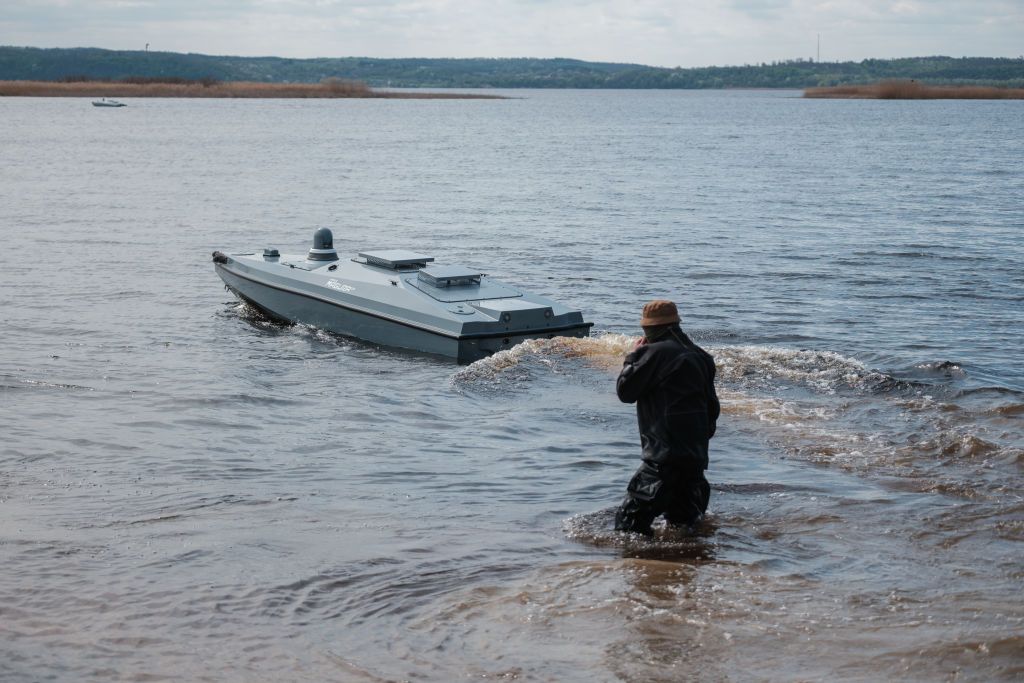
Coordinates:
397	298
104	102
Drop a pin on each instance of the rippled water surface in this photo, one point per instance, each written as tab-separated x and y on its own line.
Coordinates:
189	492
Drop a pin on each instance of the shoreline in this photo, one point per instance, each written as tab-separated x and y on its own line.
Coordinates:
329	89
912	90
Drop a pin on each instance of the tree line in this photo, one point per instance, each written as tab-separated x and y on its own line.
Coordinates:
55	64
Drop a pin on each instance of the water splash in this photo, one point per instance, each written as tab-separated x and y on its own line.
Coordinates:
823	371
604	352
749	366
816	406
665	543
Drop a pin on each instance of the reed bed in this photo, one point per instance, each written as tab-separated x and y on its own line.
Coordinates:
329	88
912	90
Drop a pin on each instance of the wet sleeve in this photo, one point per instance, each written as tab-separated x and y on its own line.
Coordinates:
637	373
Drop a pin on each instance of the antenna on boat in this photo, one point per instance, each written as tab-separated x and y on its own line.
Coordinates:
819	49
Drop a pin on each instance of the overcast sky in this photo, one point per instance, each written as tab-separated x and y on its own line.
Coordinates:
656	32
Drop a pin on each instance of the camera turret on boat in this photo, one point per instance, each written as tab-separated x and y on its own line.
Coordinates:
396	298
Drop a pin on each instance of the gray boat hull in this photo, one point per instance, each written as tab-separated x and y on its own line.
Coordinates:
396	307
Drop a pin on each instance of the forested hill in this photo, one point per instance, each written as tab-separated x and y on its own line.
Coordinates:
26	63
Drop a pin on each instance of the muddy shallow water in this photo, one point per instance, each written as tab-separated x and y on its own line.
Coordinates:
188	492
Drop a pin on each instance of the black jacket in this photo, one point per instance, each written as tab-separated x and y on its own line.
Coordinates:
672	382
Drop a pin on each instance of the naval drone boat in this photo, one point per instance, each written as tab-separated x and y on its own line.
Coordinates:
396	298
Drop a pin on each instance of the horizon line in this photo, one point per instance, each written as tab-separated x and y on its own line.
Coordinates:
760	64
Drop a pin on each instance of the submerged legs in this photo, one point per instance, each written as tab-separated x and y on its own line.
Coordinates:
680	494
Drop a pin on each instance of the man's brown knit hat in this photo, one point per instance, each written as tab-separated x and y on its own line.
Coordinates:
659	312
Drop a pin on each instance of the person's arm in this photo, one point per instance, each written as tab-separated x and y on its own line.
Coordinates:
638	371
714	407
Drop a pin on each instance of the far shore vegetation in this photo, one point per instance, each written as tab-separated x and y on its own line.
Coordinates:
54	64
912	90
136	86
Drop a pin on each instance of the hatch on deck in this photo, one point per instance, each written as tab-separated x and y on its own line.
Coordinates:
449	276
482	290
395	259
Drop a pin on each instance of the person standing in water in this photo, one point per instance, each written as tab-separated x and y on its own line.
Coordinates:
672	382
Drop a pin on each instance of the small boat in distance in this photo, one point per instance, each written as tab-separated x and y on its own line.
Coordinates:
104	102
396	298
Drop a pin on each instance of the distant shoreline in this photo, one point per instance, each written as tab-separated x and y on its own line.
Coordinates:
912	90
58	64
328	89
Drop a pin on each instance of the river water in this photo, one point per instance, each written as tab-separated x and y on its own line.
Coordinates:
188	492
